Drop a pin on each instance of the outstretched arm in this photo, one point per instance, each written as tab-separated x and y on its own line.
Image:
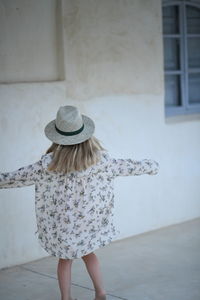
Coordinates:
127	167
24	176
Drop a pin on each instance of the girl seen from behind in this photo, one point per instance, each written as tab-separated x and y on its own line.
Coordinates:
74	197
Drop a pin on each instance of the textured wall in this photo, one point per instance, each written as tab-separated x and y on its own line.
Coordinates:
113	47
30	40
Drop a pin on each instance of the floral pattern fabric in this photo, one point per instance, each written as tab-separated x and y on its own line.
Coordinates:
74	211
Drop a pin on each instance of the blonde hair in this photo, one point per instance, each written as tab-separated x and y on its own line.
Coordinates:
78	157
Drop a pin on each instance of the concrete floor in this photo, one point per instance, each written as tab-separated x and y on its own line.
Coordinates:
160	265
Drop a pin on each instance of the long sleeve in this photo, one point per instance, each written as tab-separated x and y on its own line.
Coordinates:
128	167
24	176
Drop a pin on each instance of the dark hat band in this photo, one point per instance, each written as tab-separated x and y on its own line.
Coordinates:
69	132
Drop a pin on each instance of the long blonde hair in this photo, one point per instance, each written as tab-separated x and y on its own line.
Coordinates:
69	158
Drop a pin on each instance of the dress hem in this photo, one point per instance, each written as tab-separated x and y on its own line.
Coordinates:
99	246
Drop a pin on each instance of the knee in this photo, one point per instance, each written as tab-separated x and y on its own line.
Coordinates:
85	258
65	260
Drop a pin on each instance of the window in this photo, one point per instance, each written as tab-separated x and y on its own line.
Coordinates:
181	43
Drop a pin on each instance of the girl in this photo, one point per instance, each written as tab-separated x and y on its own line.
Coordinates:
74	198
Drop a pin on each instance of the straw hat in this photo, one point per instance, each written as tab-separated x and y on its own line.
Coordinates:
69	127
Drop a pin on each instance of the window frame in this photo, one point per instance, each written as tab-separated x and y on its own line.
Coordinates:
185	108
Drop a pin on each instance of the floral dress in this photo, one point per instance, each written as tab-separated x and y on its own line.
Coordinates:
74	211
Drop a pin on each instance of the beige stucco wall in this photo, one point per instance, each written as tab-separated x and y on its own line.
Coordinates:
114	73
113	47
30	41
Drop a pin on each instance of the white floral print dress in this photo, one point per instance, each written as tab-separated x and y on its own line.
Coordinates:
74	212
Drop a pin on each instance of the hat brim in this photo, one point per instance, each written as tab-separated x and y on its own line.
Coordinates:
58	138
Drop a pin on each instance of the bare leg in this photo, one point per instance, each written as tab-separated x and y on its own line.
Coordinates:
64	278
93	268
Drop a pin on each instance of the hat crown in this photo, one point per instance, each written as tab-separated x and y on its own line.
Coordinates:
68	119
69	127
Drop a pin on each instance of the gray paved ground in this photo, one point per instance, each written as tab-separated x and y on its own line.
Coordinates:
159	265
